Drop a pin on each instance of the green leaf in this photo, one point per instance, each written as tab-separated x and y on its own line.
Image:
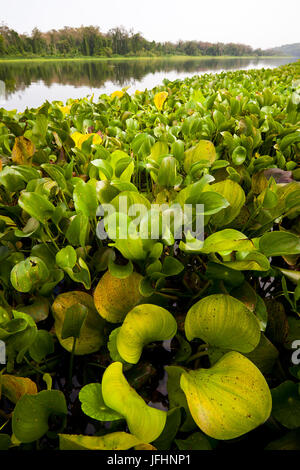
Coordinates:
85	198
229	399
28	274
78	230
213	202
142	325
253	261
239	155
172	266
217	271
204	150
39	129
41	346
5	441
264	355
279	244
290	441
48	380
171	428
167	173
30	228
92	404
177	397
75	317
144	422
235	196
36	206
227	240
286	404
223	321
196	441
91	333
141	144
66	257
120	271
30	420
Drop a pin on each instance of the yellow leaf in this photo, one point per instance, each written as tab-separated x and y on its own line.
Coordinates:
23	151
144	324
145	447
111	296
15	387
117	93
229	399
204	150
144	422
112	441
79	138
159	99
65	109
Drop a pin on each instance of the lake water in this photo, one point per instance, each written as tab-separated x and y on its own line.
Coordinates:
29	84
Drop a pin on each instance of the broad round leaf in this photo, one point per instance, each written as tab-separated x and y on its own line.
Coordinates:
229	399
32	413
92	403
234	194
111	296
142	325
91	333
204	150
28	274
223	321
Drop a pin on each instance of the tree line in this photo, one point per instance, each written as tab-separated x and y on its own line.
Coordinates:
91	42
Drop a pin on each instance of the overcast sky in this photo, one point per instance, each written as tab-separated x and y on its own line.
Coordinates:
258	23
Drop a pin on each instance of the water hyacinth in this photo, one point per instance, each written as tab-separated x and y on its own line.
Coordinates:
176	335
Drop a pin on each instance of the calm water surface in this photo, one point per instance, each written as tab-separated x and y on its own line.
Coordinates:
30	84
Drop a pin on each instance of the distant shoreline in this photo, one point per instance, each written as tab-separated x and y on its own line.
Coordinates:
119	58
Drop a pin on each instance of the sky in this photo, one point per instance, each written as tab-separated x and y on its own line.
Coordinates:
258	23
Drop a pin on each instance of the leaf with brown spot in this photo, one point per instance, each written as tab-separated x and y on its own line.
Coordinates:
23	151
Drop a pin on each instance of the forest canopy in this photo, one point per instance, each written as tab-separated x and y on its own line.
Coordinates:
91	42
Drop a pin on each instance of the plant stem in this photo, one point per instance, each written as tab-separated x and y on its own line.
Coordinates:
196	356
71	362
51	237
36	369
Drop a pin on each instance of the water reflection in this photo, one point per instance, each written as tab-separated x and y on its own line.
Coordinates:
30	83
